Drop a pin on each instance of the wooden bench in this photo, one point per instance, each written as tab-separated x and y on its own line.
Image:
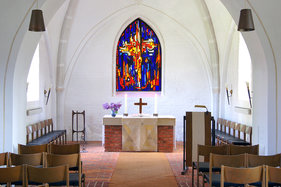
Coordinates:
228	132
43	133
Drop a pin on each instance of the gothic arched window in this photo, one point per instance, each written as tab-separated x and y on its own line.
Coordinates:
138	59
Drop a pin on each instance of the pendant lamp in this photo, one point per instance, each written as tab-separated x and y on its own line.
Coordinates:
37	21
246	22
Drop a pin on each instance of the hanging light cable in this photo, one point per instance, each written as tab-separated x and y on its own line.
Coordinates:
246	22
37	21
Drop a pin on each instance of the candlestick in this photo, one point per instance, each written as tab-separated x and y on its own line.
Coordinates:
126	106
155	105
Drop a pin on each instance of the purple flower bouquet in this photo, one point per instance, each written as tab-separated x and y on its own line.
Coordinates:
114	107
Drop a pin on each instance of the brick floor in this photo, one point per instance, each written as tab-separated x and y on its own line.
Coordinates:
99	165
176	162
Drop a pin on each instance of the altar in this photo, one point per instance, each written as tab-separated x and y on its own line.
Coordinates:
139	133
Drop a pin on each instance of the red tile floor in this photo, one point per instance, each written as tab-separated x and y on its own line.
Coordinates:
99	165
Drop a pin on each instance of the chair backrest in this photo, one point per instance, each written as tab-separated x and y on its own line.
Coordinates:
72	160
35	159
223	125
205	150
237	128
242	175
227	126
12	174
64	149
273	175
216	161
29	132
237	149
258	160
218	123
49	175
50	125
24	149
232	128
4	159
249	133
42	128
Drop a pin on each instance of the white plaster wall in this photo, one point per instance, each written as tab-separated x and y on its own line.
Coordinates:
186	81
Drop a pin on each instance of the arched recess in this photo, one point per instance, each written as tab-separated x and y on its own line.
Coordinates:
265	109
21	53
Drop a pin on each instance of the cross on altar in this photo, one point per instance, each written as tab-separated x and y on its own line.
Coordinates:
140	104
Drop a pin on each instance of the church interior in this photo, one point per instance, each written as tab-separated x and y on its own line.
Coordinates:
139	83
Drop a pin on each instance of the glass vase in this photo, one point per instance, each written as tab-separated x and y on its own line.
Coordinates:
113	113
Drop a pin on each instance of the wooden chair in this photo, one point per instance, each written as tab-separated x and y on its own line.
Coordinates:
54	176
205	150
4	159
237	135
24	149
223	129
64	149
258	160
246	131
12	174
273	176
238	149
36	159
67	149
218	131
73	161
231	176
216	161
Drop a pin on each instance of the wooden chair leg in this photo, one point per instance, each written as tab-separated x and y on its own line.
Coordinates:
192	176
197	177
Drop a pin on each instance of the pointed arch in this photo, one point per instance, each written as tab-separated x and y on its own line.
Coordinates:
138	59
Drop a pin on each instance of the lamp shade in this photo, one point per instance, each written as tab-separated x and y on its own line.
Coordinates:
37	21
246	22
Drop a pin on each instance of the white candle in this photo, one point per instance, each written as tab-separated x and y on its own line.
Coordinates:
155	104
126	110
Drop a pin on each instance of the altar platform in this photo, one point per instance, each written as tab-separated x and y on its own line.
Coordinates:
139	133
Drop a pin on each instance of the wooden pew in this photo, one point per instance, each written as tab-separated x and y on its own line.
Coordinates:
229	132
43	133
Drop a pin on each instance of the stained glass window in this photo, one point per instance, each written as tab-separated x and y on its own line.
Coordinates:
138	59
